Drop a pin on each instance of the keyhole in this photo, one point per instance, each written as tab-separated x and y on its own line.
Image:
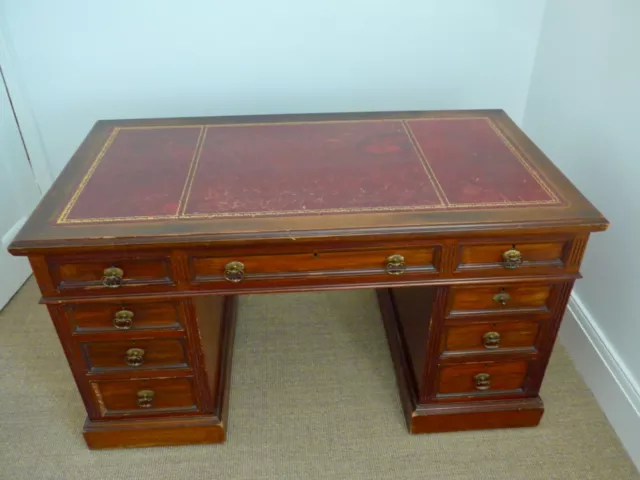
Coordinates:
315	255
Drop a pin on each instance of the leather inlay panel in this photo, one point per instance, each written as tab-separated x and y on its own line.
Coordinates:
475	165
139	173
304	168
294	168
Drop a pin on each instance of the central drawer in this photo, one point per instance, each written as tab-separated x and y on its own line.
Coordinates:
460	338
104	356
382	262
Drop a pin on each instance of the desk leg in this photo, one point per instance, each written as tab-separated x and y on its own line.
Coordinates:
211	328
415	345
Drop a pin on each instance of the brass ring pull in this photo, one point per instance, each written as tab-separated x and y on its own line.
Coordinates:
491	340
502	298
112	277
482	381
396	265
135	357
512	259
123	319
145	398
234	272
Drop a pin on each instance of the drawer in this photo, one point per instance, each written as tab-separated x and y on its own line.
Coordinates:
482	378
377	261
134	354
497	299
508	257
145	397
460	338
123	316
111	275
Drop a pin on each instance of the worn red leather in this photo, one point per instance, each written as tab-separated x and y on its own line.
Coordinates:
276	169
475	165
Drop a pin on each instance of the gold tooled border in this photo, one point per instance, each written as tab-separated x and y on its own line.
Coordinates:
427	166
193	165
445	204
87	177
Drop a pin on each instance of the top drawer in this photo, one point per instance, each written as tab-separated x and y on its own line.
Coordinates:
505	257
106	274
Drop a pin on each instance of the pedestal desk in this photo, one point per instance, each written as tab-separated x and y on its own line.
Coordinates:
470	234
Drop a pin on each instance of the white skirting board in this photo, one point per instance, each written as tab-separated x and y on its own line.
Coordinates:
604	373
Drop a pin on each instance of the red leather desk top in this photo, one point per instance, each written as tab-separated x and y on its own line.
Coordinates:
217	178
302	168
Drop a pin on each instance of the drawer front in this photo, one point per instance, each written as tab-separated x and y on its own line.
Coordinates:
134	354
511	257
489	337
383	262
124	316
111	275
482	378
496	299
145	397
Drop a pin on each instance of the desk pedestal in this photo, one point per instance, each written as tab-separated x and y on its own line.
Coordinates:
454	382
213	332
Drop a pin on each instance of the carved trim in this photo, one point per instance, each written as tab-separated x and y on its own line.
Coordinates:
564	292
449	257
548	335
428	387
578	246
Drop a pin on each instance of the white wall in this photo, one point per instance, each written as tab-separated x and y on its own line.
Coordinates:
19	195
583	110
81	61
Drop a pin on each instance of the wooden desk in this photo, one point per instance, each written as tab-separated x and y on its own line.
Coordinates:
155	226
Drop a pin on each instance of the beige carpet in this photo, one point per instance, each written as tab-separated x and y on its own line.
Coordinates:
313	397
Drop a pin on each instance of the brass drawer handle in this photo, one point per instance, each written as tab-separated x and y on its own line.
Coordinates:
483	381
491	340
123	319
396	265
135	357
145	398
502	298
511	259
234	272
112	277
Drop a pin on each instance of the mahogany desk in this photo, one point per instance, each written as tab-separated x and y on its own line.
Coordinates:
155	226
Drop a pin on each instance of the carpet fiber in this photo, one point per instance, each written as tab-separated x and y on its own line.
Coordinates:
313	397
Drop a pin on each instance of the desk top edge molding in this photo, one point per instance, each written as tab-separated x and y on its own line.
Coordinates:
40	234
